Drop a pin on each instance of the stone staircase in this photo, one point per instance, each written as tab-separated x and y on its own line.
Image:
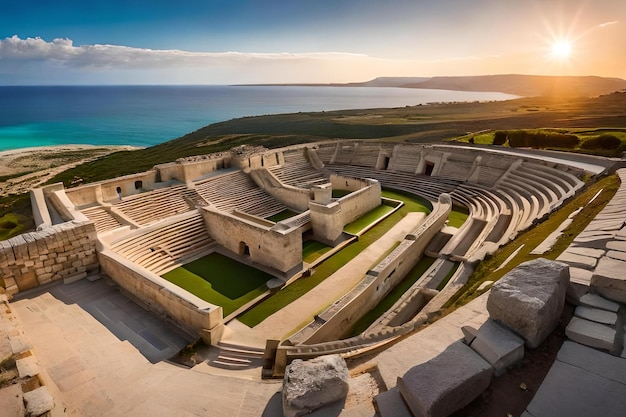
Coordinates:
235	357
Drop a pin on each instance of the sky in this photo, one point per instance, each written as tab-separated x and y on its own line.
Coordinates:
304	41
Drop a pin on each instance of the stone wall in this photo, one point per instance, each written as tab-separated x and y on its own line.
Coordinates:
63	251
163	298
378	282
295	198
272	245
328	220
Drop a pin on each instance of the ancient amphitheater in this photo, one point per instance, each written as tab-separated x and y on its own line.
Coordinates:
102	249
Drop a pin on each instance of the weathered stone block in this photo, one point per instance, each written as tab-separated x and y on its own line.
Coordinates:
27	366
530	298
597	315
446	383
595	301
38	401
391	404
591	334
311	384
498	345
609	279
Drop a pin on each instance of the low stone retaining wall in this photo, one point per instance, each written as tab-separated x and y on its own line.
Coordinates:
165	299
64	251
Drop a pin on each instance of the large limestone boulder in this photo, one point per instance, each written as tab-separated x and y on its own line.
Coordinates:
529	299
311	384
446	383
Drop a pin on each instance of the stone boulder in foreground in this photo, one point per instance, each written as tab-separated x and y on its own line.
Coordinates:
311	384
529	299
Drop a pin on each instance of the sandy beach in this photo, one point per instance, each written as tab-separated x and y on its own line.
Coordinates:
25	168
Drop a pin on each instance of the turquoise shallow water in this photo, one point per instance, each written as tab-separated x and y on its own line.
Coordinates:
148	115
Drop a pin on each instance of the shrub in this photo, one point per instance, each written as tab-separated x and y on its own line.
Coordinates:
499	137
605	142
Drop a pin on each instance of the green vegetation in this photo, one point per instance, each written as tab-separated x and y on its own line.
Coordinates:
457	216
285	214
297	289
367	219
11	225
449	275
609	142
530	239
391	298
312	249
340	193
220	280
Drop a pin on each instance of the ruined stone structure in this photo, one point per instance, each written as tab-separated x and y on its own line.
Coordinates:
137	227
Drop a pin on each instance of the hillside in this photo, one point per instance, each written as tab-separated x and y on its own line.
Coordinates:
527	85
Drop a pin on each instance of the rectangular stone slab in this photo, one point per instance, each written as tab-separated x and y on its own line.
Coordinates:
609	279
446	383
595	314
498	345
595	301
591	334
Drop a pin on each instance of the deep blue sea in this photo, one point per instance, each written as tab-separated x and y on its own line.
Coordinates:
148	115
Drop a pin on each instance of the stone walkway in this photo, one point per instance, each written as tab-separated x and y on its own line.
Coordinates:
91	372
284	322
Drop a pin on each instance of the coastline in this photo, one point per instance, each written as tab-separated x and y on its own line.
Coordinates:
26	168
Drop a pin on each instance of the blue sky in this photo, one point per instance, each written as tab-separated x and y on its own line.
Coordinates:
221	41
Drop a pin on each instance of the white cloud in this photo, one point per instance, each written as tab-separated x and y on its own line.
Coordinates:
63	51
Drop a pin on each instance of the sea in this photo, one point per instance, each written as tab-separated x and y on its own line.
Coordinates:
148	115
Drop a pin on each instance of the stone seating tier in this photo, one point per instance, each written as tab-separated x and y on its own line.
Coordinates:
237	191
158	249
151	206
297	172
102	218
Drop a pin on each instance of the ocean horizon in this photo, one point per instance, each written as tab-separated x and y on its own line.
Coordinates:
138	115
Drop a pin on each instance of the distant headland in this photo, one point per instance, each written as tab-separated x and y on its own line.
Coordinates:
517	84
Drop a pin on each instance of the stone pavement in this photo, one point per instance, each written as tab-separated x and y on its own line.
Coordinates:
582	382
91	372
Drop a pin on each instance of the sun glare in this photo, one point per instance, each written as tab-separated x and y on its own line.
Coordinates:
562	49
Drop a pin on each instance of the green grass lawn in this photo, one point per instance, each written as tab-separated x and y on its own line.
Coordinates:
285	214
312	249
391	298
368	218
294	291
457	216
220	280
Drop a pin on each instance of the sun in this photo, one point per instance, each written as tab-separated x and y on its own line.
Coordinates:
562	49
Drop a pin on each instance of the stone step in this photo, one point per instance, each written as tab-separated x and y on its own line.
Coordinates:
391	404
591	334
596	315
596	301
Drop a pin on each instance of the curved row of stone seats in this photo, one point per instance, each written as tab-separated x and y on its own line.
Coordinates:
236	191
150	206
366	154
534	191
344	153
457	167
325	152
562	180
160	247
297	172
405	158
102	218
424	186
491	169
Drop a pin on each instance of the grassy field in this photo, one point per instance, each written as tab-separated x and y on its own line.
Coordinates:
530	239
368	218
220	280
312	249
